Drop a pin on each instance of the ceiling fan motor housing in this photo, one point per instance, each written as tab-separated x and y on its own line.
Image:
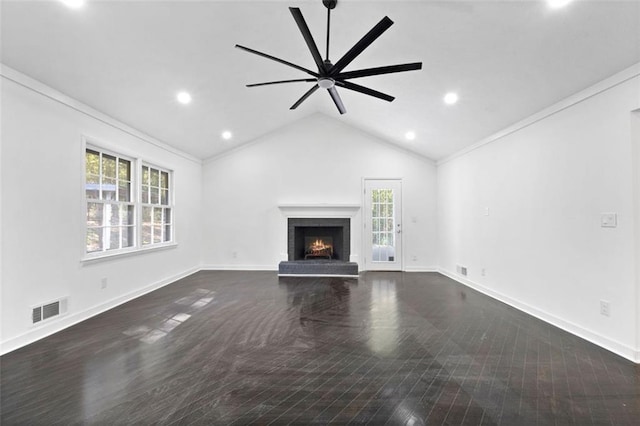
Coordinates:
330	4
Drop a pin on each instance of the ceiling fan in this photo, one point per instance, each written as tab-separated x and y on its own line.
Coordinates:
330	75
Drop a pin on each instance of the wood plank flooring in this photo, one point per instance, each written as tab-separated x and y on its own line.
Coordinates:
239	348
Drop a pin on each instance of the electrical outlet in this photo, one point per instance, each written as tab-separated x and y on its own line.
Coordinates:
605	308
414	258
483	272
609	220
234	254
103	283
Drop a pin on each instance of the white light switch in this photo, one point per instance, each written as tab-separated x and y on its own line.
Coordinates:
608	220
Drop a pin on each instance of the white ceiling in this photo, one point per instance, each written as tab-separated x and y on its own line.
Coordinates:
506	59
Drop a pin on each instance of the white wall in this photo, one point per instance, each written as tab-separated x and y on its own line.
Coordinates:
541	245
43	213
315	160
635	137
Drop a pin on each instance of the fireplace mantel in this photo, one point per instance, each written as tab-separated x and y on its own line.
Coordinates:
319	210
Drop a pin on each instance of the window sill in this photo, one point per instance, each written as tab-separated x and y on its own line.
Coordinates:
110	256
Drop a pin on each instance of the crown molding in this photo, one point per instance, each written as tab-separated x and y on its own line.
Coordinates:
36	86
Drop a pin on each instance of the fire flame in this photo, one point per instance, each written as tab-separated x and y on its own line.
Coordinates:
319	245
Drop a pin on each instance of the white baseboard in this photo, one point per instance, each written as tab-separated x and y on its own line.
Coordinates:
238	268
616	347
68	320
420	269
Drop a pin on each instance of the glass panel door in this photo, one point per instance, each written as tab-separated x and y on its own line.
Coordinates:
383	230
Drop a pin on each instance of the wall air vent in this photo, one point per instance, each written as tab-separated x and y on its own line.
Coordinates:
48	310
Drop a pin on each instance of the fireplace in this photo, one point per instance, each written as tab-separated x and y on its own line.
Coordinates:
318	246
319	238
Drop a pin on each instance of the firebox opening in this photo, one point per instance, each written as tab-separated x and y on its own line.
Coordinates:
318	239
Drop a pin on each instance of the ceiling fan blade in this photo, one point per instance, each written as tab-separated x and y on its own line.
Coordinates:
282	61
336	99
299	80
305	96
379	70
365	90
364	42
308	38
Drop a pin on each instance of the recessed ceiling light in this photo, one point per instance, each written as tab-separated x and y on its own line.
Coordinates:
226	135
410	135
184	97
557	4
450	98
73	4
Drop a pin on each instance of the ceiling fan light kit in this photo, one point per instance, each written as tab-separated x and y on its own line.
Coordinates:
330	75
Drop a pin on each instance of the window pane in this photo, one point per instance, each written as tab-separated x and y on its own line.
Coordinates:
91	178
118	214
145	175
164	197
108	166
167	215
157	215
164	180
94	214
92	162
93	194
146	234
94	240
114	238
124	191
155	177
146	215
157	233
389	225
112	214
127	214
108	188
383	210
124	170
128	236
145	194
155	195
167	232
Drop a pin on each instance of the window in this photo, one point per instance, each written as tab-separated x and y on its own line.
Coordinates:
156	208
121	214
110	207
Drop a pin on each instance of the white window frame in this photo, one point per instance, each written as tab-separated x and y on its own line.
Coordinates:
132	202
136	200
144	204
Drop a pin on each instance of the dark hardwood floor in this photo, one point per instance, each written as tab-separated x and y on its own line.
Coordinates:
237	348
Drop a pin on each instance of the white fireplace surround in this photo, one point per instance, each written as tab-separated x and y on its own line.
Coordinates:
321	210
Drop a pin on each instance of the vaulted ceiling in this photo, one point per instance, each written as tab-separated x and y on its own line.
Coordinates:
505	59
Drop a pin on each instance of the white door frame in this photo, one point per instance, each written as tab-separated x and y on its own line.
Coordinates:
398	265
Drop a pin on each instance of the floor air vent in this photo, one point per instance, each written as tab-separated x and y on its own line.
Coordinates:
48	310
